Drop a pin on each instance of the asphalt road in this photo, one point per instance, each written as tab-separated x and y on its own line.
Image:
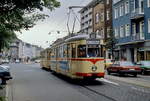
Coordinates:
30	83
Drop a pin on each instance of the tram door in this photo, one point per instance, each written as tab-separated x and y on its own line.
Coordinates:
69	56
73	55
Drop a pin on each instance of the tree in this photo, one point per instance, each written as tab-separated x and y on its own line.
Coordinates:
21	14
6	37
111	43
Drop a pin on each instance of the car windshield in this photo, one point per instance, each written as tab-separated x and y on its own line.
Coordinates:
126	63
145	63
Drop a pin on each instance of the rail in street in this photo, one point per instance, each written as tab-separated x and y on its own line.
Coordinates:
31	83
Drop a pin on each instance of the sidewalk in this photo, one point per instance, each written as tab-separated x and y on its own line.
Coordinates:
2	92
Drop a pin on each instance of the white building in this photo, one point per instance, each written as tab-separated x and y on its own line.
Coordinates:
86	18
23	51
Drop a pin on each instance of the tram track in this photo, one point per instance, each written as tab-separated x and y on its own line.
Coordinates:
98	93
82	87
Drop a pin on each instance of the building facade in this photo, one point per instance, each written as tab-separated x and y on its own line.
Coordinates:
102	20
131	25
23	51
86	18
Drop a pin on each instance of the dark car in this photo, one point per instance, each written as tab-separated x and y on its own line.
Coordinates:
145	66
123	67
5	73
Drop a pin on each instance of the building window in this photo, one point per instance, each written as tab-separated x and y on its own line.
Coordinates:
126	7
122	31
97	31
108	15
148	3
121	10
97	18
116	32
116	13
148	25
127	30
107	2
102	17
108	32
134	4
102	33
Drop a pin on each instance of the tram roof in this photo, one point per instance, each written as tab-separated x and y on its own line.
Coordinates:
73	38
77	37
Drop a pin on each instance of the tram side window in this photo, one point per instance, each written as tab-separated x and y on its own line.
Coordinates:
73	51
65	51
68	51
82	51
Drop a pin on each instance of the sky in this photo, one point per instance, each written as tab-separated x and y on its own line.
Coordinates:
57	21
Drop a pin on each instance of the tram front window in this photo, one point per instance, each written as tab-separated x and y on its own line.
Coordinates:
82	51
93	52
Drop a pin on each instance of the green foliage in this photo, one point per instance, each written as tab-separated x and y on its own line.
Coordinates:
6	37
111	43
21	14
2	98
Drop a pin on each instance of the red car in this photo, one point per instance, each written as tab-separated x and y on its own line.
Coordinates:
124	67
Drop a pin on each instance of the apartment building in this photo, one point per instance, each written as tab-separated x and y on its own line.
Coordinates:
102	20
131	25
86	18
23	51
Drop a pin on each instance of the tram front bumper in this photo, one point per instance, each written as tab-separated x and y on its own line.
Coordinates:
90	74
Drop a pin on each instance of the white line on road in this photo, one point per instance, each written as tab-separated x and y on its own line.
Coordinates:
140	90
107	81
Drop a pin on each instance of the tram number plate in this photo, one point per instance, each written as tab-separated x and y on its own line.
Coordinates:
93	42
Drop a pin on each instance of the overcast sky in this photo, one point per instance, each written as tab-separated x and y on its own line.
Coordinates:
57	21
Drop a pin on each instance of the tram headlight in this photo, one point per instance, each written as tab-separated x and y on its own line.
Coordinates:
94	68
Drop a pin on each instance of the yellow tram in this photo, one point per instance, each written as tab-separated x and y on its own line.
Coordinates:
78	57
45	59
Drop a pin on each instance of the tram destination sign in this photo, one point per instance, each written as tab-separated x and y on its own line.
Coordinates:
93	42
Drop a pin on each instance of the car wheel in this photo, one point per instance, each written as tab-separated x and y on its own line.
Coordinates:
135	75
108	72
143	72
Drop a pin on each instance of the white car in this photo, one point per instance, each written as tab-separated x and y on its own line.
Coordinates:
17	61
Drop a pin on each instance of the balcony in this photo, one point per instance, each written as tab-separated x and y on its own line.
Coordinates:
137	13
138	37
134	39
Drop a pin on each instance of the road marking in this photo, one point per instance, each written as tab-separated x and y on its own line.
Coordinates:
128	80
107	81
140	90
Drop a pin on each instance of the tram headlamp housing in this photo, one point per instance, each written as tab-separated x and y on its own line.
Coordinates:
94	68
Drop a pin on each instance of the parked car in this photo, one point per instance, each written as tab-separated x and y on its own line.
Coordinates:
5	61
37	61
108	62
124	67
5	73
145	66
17	61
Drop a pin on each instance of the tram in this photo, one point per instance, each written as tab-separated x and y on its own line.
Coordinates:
78	57
45	59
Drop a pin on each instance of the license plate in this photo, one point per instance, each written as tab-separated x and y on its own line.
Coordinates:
132	69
